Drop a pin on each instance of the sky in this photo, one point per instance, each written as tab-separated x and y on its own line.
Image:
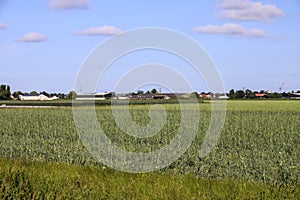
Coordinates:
254	44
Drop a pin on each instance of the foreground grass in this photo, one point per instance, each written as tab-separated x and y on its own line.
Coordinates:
36	180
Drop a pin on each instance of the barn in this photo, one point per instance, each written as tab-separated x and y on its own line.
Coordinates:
36	97
95	96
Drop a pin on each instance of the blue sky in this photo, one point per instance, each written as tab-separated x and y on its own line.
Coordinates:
254	44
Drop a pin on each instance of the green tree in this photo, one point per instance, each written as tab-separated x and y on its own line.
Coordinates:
154	91
34	93
45	93
196	95
140	92
231	94
5	92
275	95
239	94
17	93
249	94
72	95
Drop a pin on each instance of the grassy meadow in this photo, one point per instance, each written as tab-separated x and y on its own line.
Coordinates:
256	157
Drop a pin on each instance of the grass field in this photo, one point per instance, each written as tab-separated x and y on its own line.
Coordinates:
257	155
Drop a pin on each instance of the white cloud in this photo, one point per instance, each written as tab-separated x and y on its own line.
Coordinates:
32	37
2	26
104	30
69	4
230	29
246	10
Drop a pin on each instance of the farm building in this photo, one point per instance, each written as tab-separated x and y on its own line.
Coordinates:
143	96
223	96
206	95
123	97
160	96
35	97
295	96
260	95
175	95
95	96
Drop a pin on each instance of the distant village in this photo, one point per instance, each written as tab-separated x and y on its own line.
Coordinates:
5	94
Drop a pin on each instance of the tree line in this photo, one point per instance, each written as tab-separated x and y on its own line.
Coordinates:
248	94
5	94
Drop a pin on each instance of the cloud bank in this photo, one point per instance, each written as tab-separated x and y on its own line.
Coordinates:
246	10
32	37
95	31
230	29
2	26
69	4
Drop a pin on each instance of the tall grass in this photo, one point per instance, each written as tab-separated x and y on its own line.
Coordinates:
39	180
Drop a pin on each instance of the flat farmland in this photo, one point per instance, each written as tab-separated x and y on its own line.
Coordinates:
257	155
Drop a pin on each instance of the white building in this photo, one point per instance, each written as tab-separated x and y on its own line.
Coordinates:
224	96
295	96
40	97
96	96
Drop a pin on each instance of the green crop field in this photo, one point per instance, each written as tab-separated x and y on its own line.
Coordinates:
256	157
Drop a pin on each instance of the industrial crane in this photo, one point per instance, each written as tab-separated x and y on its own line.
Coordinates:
280	87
